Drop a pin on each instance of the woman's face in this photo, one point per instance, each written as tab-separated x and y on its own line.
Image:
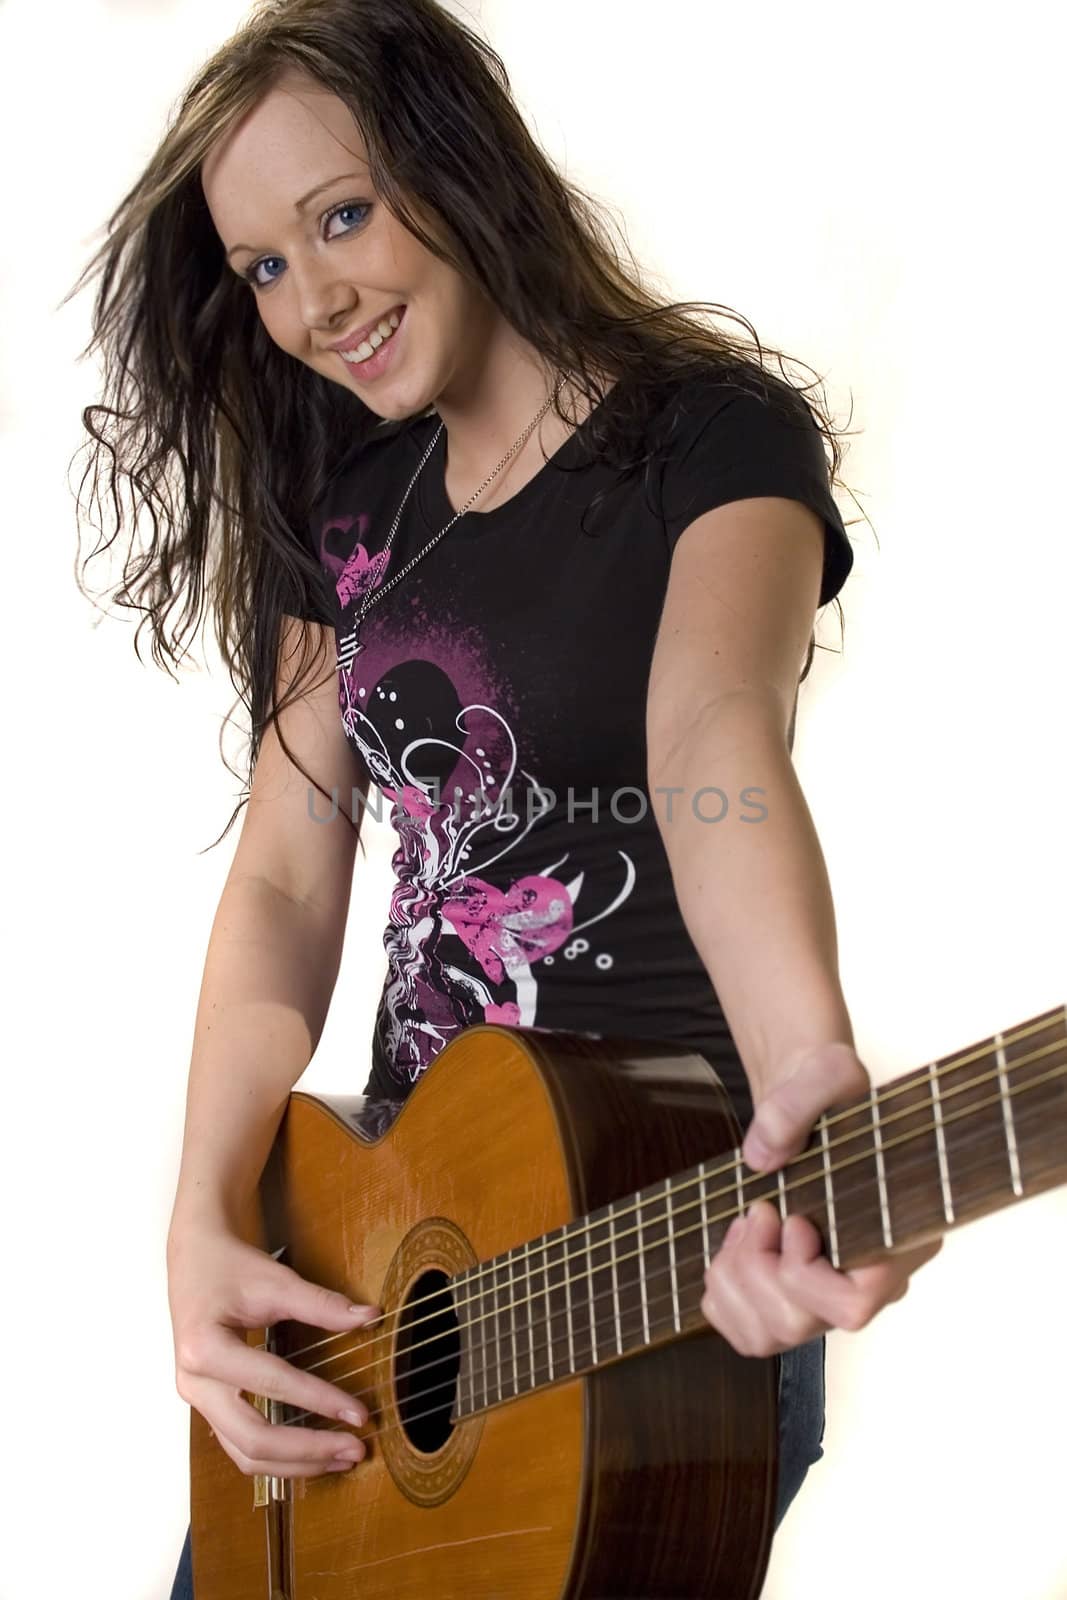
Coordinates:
318	278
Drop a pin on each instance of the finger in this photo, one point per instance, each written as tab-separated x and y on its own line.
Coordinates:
821	1076
755	1315
826	1294
762	1233
727	1308
279	1294
282	1469
800	1240
232	1361
766	1265
268	1447
745	1297
846	1300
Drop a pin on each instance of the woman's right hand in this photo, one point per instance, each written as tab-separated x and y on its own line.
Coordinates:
218	1285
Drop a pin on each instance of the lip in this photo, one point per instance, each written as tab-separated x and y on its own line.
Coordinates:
354	340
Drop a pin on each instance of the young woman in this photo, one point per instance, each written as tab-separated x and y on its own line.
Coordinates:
480	520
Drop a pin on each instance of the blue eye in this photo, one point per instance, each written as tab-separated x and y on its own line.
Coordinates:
249	275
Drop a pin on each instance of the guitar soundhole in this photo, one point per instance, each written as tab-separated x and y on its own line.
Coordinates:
427	1362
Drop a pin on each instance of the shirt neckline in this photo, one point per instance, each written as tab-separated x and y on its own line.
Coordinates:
437	510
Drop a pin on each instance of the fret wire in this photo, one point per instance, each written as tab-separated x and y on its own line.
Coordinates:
831	1214
592	1295
702	1191
511	1284
475	1301
879	1161
905	1138
781	1193
496	1329
485	1367
673	1260
467	1325
641	1267
498	1326
479	1300
529	1314
614	1278
548	1314
470	1329
501	1333
942	1152
1009	1120
567	1288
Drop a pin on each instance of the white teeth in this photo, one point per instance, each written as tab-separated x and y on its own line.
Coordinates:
385	329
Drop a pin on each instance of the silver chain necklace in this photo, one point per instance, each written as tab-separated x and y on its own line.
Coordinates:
350	646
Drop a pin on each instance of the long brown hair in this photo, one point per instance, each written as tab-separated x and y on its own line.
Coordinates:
224	443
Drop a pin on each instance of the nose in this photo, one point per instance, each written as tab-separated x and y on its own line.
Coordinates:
326	302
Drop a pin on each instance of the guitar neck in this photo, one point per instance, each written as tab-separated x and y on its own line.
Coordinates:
944	1145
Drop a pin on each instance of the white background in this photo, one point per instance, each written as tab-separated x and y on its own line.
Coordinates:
876	189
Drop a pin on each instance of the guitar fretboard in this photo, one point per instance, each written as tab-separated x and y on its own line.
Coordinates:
942	1146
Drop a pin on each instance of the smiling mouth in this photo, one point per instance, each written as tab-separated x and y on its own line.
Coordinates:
375	339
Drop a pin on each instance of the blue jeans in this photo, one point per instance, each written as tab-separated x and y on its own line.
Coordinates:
801	1421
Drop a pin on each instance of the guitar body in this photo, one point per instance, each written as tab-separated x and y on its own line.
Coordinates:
653	1476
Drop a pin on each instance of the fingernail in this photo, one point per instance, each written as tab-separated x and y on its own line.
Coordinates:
353	1416
365	1313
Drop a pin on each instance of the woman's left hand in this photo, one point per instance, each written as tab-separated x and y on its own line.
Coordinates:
769	1287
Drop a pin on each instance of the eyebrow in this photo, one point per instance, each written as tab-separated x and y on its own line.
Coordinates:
301	204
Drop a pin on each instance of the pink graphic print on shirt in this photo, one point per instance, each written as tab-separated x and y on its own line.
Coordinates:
417	702
361	572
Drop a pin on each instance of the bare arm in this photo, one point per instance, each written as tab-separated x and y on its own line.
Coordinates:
274	951
753	889
271	965
755	897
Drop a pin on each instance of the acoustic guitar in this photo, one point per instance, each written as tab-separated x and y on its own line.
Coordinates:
551	1414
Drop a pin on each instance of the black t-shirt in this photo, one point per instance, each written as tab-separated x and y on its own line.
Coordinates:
501	691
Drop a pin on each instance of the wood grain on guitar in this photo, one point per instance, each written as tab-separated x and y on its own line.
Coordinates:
551	1415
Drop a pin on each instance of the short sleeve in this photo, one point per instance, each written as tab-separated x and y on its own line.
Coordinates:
732	444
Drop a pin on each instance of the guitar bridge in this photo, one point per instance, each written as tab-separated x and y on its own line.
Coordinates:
267	1490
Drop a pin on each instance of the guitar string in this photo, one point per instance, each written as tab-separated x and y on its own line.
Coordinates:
701	1226
734	1164
817	1154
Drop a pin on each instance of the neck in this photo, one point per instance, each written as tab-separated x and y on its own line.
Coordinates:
942	1146
489	404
